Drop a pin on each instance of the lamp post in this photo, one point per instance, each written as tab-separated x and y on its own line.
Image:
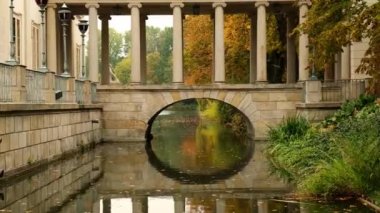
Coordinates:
42	4
65	16
12	51
314	76
83	27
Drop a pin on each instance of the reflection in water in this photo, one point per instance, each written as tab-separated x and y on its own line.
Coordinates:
118	178
200	141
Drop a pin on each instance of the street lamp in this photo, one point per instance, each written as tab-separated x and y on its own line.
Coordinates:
83	27
65	16
314	76
42	4
12	51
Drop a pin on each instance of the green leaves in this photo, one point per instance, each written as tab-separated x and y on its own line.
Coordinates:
343	160
333	24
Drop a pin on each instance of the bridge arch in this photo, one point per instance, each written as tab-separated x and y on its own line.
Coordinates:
250	129
241	101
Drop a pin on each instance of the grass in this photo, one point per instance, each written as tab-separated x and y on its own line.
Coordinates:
337	157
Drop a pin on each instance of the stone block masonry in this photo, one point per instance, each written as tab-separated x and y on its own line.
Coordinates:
128	109
32	134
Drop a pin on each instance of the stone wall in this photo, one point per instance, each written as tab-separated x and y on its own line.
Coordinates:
31	134
52	186
128	109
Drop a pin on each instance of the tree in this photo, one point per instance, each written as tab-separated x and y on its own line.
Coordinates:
237	45
123	70
116	50
197	49
369	21
333	24
116	47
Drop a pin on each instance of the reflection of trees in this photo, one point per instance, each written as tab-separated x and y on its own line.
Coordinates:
204	204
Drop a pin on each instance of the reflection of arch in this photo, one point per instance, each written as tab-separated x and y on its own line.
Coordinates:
186	178
148	135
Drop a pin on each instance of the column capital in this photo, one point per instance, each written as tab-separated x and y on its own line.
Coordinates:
219	4
177	4
304	2
51	5
134	4
262	3
92	5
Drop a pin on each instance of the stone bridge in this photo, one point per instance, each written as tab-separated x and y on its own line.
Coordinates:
128	109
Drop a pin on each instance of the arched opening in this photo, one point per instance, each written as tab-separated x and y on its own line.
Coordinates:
199	140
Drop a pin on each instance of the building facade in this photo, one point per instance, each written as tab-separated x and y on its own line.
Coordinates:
28	39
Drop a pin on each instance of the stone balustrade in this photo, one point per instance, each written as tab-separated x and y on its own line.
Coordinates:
19	85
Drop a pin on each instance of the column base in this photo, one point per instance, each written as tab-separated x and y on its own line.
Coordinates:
135	83
219	82
12	62
261	82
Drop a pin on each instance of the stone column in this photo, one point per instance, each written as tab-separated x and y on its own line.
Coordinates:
51	37
262	206
303	67
106	205
179	204
143	65
253	50
261	41
219	42
220	205
139	204
290	51
105	75
212	18
136	45
337	66
93	54
346	63
177	43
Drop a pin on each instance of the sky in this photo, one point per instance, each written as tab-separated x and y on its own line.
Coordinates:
123	23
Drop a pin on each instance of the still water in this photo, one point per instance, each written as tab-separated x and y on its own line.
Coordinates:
194	163
119	178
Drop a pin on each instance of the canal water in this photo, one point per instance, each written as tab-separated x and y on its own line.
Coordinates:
200	157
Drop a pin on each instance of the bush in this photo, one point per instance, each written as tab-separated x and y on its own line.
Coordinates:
345	160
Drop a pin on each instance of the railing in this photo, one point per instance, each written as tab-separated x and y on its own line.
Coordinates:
34	84
342	90
61	85
6	83
93	92
79	92
18	84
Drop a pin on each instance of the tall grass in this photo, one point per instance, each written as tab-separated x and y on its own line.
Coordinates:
342	160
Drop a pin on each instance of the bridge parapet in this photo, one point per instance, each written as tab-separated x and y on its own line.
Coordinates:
127	109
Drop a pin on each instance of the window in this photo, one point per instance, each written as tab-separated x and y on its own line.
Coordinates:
36	45
17	36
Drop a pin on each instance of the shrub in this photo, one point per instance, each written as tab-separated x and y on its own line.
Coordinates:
345	160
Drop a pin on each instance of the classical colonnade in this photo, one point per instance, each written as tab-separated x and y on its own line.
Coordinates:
258	55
